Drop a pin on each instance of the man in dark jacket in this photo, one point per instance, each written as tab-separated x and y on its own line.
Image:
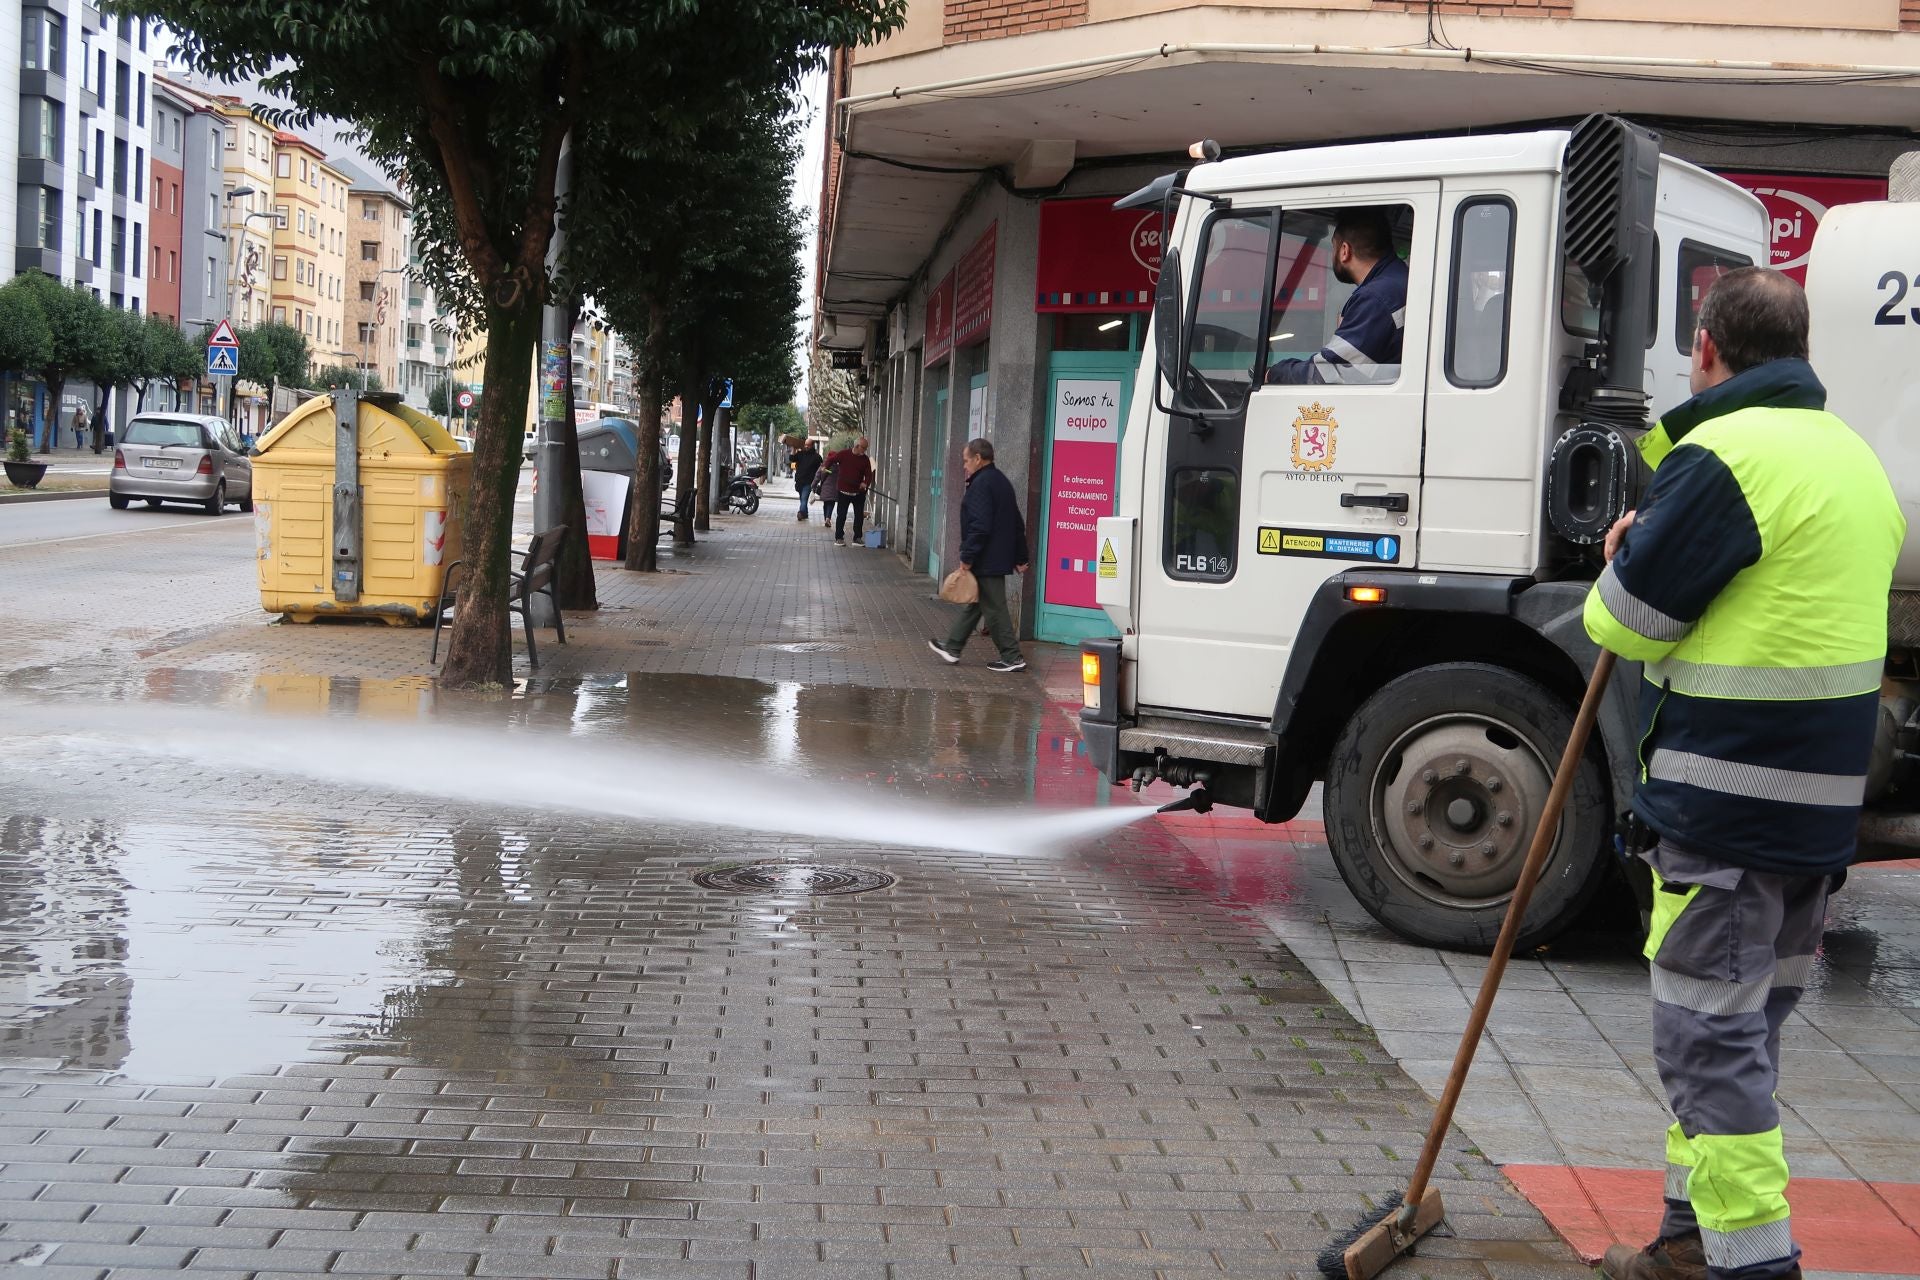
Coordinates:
1366	341
806	464
993	544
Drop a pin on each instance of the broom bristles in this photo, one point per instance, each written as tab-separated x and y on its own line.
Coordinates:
1333	1259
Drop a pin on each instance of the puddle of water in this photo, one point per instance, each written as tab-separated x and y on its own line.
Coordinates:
533	769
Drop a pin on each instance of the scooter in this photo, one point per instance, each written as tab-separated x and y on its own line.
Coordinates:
743	492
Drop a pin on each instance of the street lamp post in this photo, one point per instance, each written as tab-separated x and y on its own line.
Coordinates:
236	246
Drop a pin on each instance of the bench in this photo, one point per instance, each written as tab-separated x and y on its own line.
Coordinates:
538	564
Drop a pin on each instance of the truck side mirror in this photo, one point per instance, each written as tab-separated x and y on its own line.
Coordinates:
1168	330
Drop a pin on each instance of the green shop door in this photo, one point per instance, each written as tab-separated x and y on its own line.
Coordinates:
1088	393
936	485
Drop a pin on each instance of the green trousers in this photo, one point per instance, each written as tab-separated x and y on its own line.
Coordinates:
992	606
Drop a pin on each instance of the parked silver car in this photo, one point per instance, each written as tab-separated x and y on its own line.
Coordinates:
180	457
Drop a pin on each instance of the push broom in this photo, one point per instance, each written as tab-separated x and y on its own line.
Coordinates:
1369	1247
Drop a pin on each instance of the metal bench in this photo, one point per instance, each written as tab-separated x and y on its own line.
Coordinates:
538	564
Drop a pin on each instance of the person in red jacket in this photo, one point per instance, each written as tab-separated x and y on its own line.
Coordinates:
854	475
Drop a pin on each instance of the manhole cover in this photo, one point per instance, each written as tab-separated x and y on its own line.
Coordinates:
809	878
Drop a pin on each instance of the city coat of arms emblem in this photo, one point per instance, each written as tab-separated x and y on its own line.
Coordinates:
1313	437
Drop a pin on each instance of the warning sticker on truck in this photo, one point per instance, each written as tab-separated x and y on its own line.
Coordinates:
1109	563
1325	545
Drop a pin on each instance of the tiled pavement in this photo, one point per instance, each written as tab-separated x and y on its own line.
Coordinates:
260	1026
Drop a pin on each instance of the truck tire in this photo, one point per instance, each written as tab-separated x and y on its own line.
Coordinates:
1433	790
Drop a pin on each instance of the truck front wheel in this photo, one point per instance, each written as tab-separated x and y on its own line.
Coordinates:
1434	788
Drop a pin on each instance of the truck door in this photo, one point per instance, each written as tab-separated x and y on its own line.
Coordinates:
1319	473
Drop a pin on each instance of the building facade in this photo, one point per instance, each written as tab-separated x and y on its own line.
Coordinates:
243	210
379	231
973	270
308	274
74	111
428	339
189	116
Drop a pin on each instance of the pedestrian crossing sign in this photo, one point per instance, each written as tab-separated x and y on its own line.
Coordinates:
223	361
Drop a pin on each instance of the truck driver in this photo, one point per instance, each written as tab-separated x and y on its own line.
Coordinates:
1365	346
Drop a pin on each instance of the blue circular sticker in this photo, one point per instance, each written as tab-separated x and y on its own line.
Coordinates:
1387	548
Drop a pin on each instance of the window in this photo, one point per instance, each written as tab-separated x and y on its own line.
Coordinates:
279	315
231	139
300	220
140	92
118	255
1477	319
370	210
173	266
40	43
173	198
49	131
122	88
98	236
99	155
139	168
142	29
119	166
48	231
138	255
303	168
300	320
1699	266
280	216
213	211
369	251
1309	299
100	71
283	164
1204	520
208	289
155	201
279	267
366	332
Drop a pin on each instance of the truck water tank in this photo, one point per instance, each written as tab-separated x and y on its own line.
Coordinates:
1863	289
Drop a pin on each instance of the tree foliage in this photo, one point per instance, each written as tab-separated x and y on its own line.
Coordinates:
833	399
328	377
26	339
441	397
79	327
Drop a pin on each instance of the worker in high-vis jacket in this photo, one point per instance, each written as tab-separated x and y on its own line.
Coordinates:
1752	583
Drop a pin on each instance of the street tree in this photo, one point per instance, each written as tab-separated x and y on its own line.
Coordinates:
833	402
270	355
441	397
164	355
112	363
329	377
79	326
471	104
26	339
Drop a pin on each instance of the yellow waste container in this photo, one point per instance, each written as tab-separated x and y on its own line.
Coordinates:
357	505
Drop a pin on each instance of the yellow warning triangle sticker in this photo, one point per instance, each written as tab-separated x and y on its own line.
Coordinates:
1269	542
1106	553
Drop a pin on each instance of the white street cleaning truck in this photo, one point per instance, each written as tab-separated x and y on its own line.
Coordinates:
1375	582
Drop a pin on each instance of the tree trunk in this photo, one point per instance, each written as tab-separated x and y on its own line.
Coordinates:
56	386
481	650
703	502
573	576
643	526
686	469
139	396
98	427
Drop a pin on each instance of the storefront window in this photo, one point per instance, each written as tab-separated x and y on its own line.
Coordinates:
1095	331
1206	515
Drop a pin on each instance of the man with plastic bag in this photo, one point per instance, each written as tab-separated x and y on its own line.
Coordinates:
993	544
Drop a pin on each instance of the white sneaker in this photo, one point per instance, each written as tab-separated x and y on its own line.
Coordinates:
947	655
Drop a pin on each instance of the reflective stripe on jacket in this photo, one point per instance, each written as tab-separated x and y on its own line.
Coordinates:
1753	585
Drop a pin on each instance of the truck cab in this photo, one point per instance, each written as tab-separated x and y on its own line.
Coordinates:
1369	573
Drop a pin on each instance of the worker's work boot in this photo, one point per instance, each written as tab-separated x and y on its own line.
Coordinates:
1681	1258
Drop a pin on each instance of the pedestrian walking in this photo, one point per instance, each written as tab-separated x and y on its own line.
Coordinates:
826	487
79	426
806	465
1752	583
853	473
993	544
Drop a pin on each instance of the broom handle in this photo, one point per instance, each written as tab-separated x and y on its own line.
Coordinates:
1543	837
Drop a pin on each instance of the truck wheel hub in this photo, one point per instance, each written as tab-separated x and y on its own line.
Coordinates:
1456	802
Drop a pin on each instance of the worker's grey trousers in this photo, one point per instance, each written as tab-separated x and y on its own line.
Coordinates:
1730	950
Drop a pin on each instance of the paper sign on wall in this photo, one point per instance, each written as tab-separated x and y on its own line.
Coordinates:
1083	478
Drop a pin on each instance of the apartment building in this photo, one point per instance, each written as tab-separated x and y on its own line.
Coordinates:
971	262
244	209
379	229
429	339
188	138
308	278
74	87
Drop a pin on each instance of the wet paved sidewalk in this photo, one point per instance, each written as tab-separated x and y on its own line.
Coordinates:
267	1026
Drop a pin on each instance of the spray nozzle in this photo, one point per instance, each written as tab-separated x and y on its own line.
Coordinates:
1200	800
